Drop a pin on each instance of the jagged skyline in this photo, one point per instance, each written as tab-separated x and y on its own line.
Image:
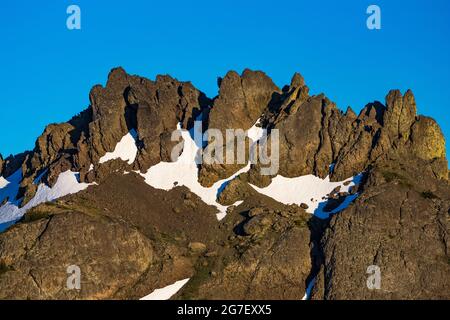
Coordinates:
335	52
354	194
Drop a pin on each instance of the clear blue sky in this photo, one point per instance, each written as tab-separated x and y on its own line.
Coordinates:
48	70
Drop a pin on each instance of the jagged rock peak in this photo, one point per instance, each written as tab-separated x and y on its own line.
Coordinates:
242	99
126	102
297	80
241	102
13	162
400	113
315	133
350	113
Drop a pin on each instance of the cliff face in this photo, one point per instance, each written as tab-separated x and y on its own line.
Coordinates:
400	223
399	220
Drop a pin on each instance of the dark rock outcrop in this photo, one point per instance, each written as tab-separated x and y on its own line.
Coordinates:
242	100
240	103
109	254
401	224
317	134
123	235
153	108
13	163
266	256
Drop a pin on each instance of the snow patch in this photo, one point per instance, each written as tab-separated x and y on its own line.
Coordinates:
310	190
255	132
331	166
184	172
166	292
9	187
307	295
6	225
3	182
67	183
126	149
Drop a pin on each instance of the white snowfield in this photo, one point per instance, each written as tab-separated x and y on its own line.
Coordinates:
307	295
307	189
126	149
166	292
67	183
310	190
164	175
184	172
255	132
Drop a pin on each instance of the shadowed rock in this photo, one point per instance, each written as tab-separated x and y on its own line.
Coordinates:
400	223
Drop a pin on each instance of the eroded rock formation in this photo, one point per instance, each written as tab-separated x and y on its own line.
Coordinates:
130	238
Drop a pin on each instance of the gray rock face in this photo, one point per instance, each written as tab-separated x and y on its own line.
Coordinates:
316	134
305	144
152	108
35	272
240	103
387	132
241	100
160	107
397	224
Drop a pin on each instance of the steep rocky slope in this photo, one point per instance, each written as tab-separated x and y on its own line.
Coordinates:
401	224
130	238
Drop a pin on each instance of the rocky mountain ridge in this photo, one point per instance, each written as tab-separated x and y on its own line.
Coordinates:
263	248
